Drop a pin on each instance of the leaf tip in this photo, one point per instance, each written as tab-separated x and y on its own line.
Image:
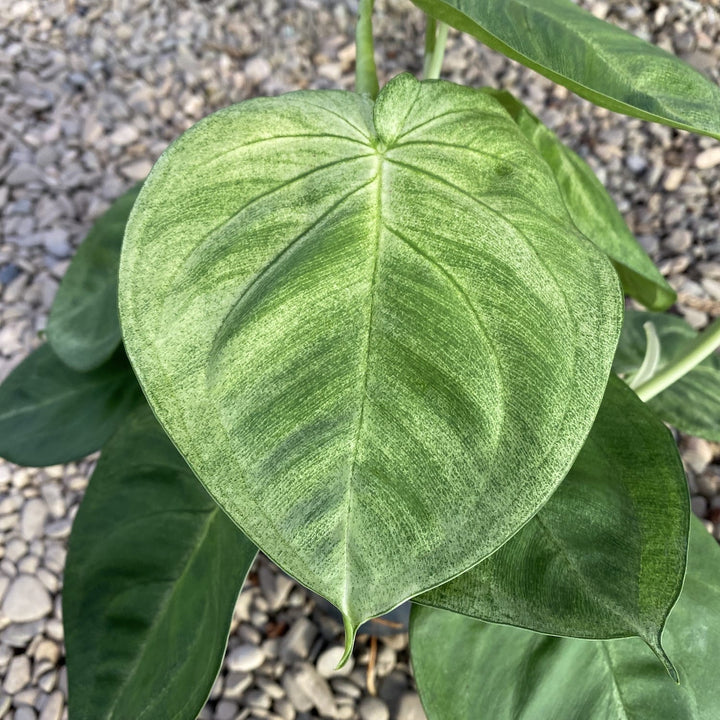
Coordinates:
350	632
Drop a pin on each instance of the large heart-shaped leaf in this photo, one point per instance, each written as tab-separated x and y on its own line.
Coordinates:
597	60
153	572
84	327
50	414
606	556
463	664
692	404
592	209
372	330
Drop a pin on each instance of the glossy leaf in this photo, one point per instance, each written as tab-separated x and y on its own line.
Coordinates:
153	572
692	404
463	664
83	327
50	414
375	334
606	556
593	210
595	59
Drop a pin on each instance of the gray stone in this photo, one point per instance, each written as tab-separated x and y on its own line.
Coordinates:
636	164
26	600
275	586
296	692
245	658
32	518
25	713
57	243
18	675
372	708
236	683
23	174
53	709
297	642
410	707
317	690
226	710
18	635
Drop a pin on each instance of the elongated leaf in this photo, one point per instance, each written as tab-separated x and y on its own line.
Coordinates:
83	327
692	404
375	334
593	210
463	664
606	556
50	414
598	61
153	572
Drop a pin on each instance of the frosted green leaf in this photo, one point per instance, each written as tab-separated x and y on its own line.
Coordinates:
372	330
595	59
592	209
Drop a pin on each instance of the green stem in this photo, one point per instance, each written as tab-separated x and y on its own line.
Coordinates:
430	38
705	344
365	71
436	59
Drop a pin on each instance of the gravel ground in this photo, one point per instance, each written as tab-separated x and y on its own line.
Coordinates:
90	95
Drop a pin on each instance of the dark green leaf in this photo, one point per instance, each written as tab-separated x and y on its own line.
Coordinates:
598	61
463	664
692	404
50	414
153	571
593	210
83	327
606	556
378	328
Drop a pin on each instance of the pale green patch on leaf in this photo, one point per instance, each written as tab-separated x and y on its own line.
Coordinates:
372	330
153	572
592	209
84	327
598	61
463	664
51	414
692	404
606	556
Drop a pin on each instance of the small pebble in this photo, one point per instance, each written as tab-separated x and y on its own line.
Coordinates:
245	658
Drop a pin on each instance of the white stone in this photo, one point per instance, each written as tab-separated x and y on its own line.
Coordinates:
32	518
124	135
245	658
26	600
257	70
18	675
328	661
137	170
709	158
